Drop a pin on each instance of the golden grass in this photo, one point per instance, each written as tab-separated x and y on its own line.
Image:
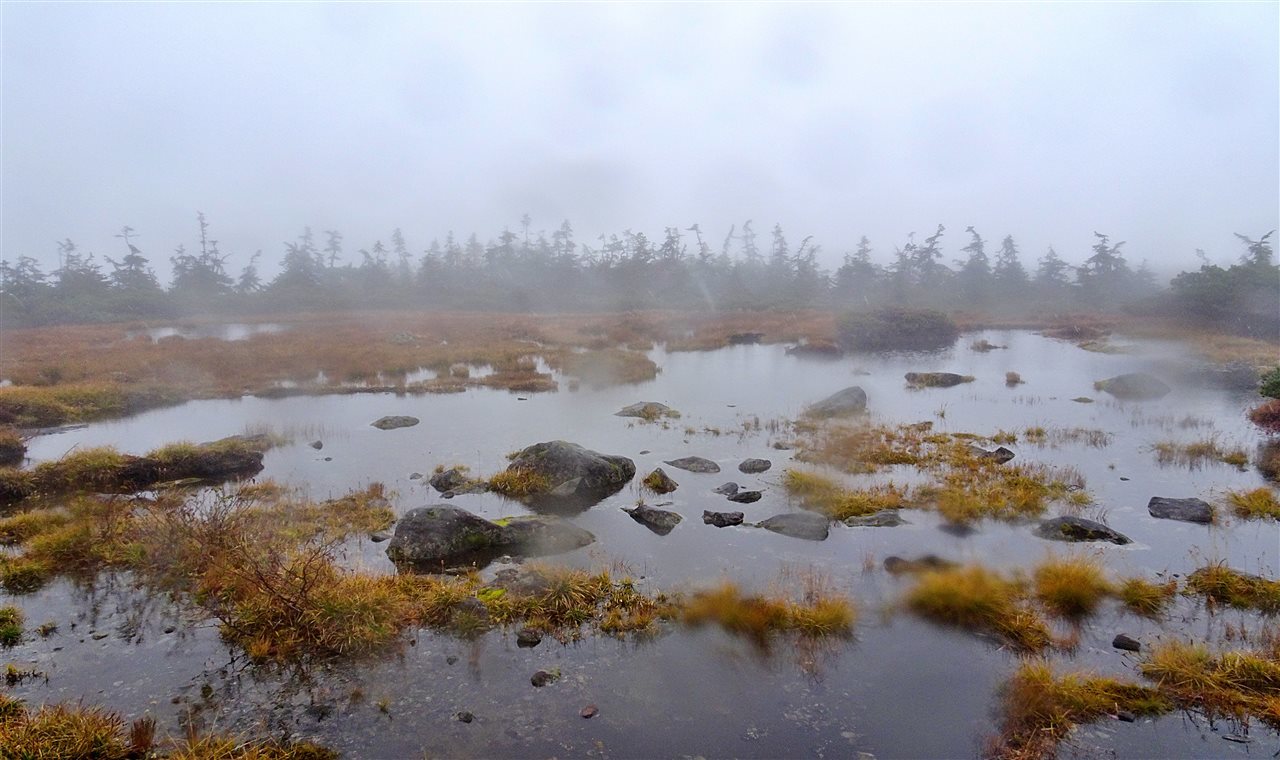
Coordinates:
11	621
827	496
1039	708
1259	503
976	598
1195	454
517	484
1071	586
609	366
1145	597
1222	585
820	613
1238	684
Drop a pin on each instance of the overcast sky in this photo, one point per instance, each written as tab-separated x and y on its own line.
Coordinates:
1156	123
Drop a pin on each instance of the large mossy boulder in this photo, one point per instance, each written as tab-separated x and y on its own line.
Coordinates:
561	475
896	330
851	400
1134	386
438	533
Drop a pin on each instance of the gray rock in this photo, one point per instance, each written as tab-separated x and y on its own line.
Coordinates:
885	518
437	533
806	525
1126	717
317	445
728	489
394	421
936	379
448	480
754	466
527	638
660	521
746	497
463	716
1000	455
647	410
1136	386
560	463
1071	528
1126	643
694	464
543	677
415	476
589	711
1186	510
851	400
378	536
721	519
659	481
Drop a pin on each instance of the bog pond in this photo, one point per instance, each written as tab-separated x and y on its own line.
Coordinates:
899	686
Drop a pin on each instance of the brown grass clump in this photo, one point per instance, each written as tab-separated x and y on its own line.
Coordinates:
1222	585
1071	586
1147	598
1256	504
1238	684
1195	454
30	407
1039	708
12	447
976	598
825	495
517	484
758	617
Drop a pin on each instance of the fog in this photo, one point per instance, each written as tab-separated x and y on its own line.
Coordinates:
1156	124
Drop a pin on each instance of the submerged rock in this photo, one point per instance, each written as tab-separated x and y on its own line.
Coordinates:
728	489
1186	510
851	400
659	521
806	525
437	533
694	464
885	518
936	379
1135	386
1071	528
721	519
317	445
659	481
647	410
746	497
898	565
447	480
394	421
1000	455
754	466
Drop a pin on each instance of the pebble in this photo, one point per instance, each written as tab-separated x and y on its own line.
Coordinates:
1126	643
589	711
464	716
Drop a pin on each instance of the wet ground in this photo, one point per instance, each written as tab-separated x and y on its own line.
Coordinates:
901	687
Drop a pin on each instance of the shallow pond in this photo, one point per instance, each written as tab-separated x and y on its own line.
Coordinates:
901	687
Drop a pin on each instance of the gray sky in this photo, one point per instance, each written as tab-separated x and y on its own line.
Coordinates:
1156	123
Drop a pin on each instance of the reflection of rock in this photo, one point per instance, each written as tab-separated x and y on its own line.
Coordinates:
659	481
885	518
721	519
1135	386
806	525
746	497
394	421
851	400
936	379
1071	528
440	533
728	489
1000	455
695	464
1186	510
898	565
659	521
647	410
754	466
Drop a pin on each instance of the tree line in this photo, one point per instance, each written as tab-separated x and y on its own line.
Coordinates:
684	269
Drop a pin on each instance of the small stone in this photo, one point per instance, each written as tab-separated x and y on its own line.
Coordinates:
542	678
317	445
527	638
1126	643
589	711
378	536
728	489
746	497
754	466
721	519
646	451
1126	716
1123	477
450	660
416	476
659	481
463	717
170	629
694	464
99	636
328	459
1237	738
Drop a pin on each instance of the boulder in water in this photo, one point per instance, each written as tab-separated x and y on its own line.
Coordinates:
851	400
1186	510
660	521
694	464
806	525
395	421
1071	528
1134	386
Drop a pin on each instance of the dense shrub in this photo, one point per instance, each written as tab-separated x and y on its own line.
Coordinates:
897	329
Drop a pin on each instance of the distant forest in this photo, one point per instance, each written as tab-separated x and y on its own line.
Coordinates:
537	271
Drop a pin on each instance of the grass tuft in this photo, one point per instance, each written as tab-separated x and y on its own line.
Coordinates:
1071	586
1225	586
976	598
1260	503
1147	598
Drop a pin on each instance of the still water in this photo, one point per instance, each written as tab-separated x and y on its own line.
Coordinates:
901	687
